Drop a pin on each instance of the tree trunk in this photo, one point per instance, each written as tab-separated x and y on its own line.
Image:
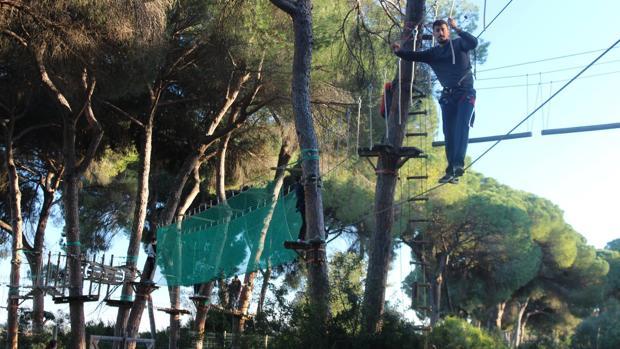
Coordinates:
436	286
36	266
523	325
263	291
318	283
501	307
175	318
74	171
202	309
175	291
15	198
220	173
133	323
516	339
205	289
387	178
248	282
139	216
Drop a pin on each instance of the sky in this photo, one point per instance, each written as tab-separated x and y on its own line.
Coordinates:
575	171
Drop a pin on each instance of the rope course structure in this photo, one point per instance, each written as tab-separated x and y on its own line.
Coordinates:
53	279
499	138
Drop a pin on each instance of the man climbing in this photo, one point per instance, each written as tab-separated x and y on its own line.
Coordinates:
300	205
234	289
450	62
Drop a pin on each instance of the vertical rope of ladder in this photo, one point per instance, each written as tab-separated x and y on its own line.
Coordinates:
450	34
370	116
399	90
386	111
359	113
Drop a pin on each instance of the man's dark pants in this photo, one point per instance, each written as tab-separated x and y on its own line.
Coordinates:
457	109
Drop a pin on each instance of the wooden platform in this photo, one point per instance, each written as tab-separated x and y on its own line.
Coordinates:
303	245
118	303
378	149
82	298
174	311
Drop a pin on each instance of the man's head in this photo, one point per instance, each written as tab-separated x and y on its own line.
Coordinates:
441	31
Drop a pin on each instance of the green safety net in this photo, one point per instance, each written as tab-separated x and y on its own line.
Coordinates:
227	240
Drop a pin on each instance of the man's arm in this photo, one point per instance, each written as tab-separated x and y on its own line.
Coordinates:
469	41
416	56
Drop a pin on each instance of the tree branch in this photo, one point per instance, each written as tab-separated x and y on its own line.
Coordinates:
12	34
285	5
38	55
9	229
32	128
124	113
89	86
230	99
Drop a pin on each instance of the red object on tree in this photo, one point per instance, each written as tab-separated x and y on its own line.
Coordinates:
387	95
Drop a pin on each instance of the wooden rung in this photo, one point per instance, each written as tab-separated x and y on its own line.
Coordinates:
421	112
422	198
418	263
421	328
424	308
419	220
199	298
420	242
417	177
417	134
25	297
423	284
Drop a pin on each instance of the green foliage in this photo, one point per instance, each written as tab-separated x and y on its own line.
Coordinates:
454	333
545	342
346	272
614	245
108	198
600	331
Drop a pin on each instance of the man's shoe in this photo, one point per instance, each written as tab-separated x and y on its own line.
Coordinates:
446	178
454	180
459	171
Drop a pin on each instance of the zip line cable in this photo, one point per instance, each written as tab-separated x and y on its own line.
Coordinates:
544	103
548	82
501	77
494	18
541	60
